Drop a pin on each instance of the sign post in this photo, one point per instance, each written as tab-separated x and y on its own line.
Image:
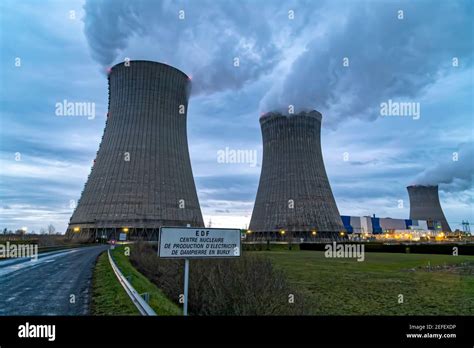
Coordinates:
186	282
197	243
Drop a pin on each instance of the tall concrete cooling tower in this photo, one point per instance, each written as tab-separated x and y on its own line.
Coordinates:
294	196
142	177
425	205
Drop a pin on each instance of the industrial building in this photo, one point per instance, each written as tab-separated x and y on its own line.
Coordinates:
372	227
426	220
375	225
142	177
294	197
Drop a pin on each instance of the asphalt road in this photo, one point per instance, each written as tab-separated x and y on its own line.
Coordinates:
45	286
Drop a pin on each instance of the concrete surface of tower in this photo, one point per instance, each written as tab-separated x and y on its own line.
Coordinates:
425	205
294	195
142	177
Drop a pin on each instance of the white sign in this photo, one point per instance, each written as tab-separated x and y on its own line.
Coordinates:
123	236
190	242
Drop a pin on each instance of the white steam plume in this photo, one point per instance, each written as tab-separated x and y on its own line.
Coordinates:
204	40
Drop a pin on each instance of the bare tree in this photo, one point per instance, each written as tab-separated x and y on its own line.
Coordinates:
51	229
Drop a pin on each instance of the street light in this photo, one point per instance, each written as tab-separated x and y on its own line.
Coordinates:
76	229
248	233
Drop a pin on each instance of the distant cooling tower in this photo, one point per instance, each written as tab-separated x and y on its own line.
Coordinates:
424	205
294	194
142	177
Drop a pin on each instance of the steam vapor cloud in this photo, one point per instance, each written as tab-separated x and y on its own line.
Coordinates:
389	57
456	174
202	38
299	59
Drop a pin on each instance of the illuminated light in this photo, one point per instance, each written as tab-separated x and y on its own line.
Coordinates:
341	234
125	229
313	233
282	231
249	231
76	229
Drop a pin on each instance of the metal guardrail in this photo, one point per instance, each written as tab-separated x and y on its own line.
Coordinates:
137	300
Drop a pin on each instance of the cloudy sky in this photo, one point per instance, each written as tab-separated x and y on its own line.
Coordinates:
343	58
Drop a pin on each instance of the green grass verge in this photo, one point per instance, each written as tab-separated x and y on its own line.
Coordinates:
372	287
108	296
158	301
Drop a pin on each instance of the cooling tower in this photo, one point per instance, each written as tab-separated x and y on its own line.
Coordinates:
424	205
294	196
142	177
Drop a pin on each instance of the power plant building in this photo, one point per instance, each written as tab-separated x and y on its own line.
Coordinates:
375	225
142	177
426	216
294	196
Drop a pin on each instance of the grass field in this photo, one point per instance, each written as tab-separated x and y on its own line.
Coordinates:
108	296
158	301
372	287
